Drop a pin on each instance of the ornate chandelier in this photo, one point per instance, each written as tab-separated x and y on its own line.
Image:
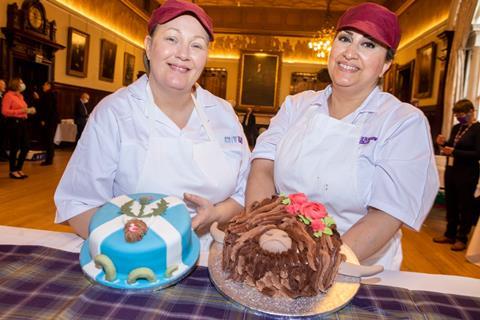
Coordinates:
321	44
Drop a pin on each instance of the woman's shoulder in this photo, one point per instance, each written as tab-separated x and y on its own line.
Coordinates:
392	107
13	95
305	97
215	104
124	101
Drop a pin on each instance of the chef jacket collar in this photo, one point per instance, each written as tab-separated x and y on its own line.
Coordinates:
138	90
369	105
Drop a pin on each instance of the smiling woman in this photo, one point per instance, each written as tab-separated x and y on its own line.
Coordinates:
349	146
161	134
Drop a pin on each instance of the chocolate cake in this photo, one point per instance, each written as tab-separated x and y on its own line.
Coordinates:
283	246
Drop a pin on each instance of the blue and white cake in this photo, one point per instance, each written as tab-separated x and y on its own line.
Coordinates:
140	241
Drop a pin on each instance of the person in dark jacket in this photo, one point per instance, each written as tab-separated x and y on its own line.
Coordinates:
81	113
250	127
461	174
48	116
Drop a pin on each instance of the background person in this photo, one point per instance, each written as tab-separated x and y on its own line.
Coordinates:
80	115
161	134
461	175
49	120
3	140
350	146
249	125
16	111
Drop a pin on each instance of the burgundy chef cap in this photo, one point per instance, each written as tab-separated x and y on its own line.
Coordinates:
171	9
373	20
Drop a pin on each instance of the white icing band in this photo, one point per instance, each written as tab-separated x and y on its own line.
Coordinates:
91	269
172	201
173	242
100	233
120	200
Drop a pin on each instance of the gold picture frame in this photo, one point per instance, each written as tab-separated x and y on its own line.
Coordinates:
425	70
77	53
108	53
128	68
259	81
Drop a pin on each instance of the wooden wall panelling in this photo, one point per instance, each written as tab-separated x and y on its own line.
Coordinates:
67	96
268	20
215	81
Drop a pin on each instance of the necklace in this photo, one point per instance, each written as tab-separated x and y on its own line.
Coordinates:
460	134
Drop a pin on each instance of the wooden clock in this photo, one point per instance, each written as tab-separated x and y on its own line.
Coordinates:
35	17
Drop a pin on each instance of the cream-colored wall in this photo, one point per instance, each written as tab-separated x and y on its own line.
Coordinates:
421	22
408	53
65	19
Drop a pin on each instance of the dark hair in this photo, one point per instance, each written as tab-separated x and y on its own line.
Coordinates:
463	106
14	84
390	54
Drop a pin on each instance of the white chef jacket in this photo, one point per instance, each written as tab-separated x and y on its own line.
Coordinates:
396	165
108	158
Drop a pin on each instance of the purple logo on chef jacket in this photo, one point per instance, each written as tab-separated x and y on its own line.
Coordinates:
366	140
233	139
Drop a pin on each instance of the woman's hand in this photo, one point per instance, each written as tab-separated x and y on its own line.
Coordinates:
441	140
206	212
447	151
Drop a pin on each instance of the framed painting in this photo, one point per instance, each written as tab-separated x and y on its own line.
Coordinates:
302	81
404	81
425	70
259	81
388	81
77	52
108	52
128	68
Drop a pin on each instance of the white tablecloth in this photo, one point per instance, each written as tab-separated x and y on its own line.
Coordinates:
408	280
66	131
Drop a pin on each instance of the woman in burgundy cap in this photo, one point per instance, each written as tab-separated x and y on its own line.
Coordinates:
364	154
162	134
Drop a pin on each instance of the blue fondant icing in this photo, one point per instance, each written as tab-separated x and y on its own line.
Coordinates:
150	252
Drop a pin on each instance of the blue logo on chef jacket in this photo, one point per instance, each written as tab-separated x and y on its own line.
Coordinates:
366	140
233	139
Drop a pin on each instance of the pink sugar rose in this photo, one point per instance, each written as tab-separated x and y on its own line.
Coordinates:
298	198
313	210
293	208
318	225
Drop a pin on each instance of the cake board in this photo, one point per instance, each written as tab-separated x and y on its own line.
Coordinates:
342	291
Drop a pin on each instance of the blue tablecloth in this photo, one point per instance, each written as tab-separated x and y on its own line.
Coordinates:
44	283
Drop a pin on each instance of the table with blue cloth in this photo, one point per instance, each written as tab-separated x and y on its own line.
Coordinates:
38	282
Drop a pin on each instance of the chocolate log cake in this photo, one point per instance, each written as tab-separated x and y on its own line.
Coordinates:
283	246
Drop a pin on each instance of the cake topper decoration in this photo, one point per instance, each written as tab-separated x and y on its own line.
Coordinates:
311	213
134	230
126	209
